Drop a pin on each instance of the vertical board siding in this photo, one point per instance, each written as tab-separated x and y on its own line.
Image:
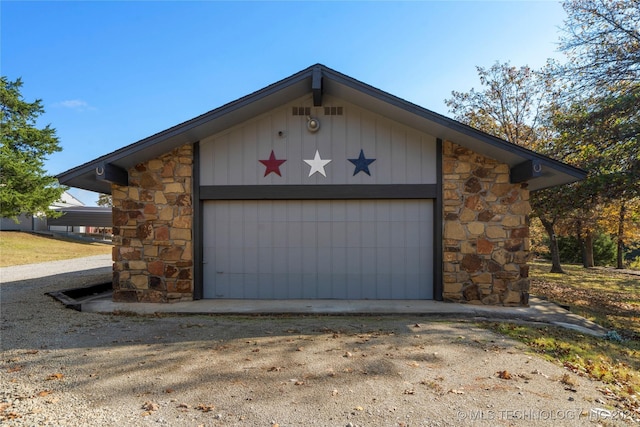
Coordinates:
345	249
403	155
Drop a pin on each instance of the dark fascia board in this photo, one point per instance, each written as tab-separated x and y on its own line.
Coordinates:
336	84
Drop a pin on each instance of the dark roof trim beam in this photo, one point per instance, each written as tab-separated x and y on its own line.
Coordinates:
525	171
111	173
316	86
318	192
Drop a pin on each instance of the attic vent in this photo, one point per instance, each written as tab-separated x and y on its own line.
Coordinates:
301	111
332	111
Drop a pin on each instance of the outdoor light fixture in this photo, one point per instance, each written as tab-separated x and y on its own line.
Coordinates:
312	124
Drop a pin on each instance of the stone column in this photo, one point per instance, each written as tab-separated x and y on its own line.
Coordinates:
486	231
153	235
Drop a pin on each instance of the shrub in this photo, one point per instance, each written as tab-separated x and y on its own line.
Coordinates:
604	250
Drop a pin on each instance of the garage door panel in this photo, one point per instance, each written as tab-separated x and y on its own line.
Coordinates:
266	261
355	249
279	287
323	231
294	262
339	234
338	211
383	286
339	260
250	286
293	235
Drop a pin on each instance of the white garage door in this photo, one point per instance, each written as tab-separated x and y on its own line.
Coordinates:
343	249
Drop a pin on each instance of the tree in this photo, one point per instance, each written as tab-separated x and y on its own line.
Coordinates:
105	200
603	133
602	42
515	105
512	106
24	185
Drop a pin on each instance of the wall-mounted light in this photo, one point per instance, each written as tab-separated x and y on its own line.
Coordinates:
312	124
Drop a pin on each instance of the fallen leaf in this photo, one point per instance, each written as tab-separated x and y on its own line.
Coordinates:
299	383
12	416
184	405
274	369
359	408
409	391
15	369
567	380
454	391
44	393
205	408
32	351
348	354
150	406
505	375
55	377
334	392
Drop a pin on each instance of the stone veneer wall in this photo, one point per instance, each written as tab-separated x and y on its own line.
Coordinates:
152	218
486	231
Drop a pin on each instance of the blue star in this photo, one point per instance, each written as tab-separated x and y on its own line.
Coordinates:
362	164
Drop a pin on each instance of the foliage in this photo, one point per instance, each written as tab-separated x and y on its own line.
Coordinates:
511	106
19	248
105	200
602	42
604	250
24	185
613	362
605	296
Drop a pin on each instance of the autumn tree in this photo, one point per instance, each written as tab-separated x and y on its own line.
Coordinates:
512	104
602	42
601	39
25	187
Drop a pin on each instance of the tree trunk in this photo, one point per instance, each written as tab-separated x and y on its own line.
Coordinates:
623	212
553	246
588	250
581	243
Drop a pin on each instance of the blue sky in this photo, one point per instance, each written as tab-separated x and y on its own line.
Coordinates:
111	73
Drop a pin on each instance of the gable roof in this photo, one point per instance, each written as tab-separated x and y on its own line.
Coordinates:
319	79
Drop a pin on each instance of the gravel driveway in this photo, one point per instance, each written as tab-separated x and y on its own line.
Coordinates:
60	367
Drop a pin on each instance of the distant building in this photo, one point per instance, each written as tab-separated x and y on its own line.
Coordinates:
77	218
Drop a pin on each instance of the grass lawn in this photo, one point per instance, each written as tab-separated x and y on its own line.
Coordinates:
17	248
605	296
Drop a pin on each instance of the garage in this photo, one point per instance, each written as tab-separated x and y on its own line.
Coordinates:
309	249
320	186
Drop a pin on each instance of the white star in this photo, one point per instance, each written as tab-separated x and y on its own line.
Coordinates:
317	164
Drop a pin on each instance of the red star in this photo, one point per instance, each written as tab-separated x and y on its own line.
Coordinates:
273	164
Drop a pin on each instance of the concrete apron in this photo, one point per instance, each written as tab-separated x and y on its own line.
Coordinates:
539	311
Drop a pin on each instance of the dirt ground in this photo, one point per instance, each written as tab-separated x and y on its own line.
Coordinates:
66	368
